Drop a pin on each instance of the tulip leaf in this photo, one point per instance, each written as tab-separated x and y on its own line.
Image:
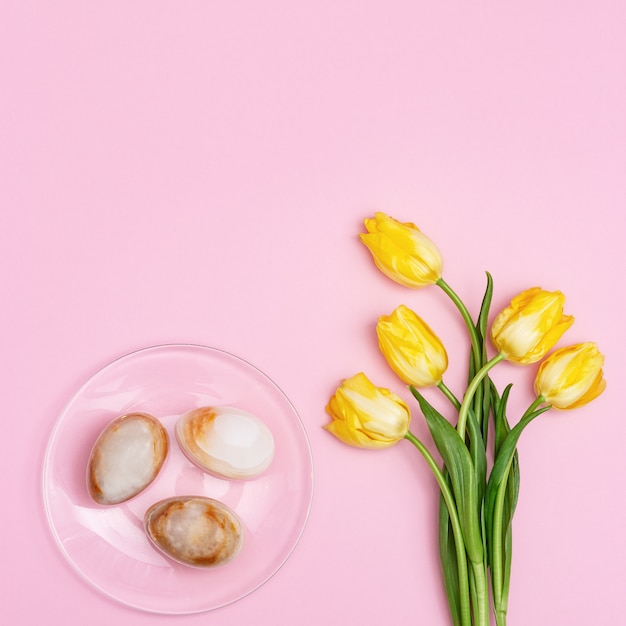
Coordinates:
481	329
486	408
482	399
502	427
504	480
502	570
502	430
483	316
449	563
460	466
478	454
473	367
508	447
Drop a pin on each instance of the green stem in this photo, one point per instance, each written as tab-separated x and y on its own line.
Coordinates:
500	593
448	394
481	608
471	327
497	560
466	618
471	390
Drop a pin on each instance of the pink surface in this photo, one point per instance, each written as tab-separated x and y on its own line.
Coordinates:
197	172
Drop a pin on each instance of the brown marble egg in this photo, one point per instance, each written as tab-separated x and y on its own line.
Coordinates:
194	530
226	441
126	457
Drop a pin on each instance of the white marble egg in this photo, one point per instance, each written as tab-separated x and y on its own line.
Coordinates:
126	457
194	530
225	441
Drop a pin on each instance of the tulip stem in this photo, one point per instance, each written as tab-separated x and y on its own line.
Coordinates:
499	592
471	390
471	327
448	394
466	619
481	594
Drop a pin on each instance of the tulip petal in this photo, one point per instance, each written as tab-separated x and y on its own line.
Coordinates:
571	377
402	252
367	416
530	326
411	348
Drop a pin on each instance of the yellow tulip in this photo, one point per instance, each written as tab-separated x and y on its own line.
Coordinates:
411	348
530	325
402	252
571	377
367	416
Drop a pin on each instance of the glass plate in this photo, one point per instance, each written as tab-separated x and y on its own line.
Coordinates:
107	545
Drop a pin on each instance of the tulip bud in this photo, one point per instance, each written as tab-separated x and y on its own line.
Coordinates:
530	326
402	252
571	377
411	348
367	416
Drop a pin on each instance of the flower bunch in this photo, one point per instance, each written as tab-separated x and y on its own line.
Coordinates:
477	502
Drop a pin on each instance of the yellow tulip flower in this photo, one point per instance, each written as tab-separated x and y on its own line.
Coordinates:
411	348
367	416
530	325
402	252
571	377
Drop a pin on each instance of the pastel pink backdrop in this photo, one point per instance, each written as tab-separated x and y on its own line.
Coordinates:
198	172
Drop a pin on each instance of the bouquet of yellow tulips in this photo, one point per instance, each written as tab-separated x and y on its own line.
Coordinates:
477	501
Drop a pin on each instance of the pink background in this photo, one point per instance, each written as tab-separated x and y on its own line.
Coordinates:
198	172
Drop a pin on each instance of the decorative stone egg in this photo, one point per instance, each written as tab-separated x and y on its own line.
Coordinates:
126	458
225	441
194	530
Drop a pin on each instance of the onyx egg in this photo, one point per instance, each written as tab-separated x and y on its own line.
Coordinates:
194	530
226	441
126	457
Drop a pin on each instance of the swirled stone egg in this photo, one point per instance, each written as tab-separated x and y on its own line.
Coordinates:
194	530
126	457
225	441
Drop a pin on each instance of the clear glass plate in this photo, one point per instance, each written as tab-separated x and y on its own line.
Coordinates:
107	545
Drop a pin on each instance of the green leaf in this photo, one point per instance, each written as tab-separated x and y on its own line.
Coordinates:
506	467
486	408
478	454
458	462
508	447
510	502
472	368
508	553
502	427
483	316
482	399
449	563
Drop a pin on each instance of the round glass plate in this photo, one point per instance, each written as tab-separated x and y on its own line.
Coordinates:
107	545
